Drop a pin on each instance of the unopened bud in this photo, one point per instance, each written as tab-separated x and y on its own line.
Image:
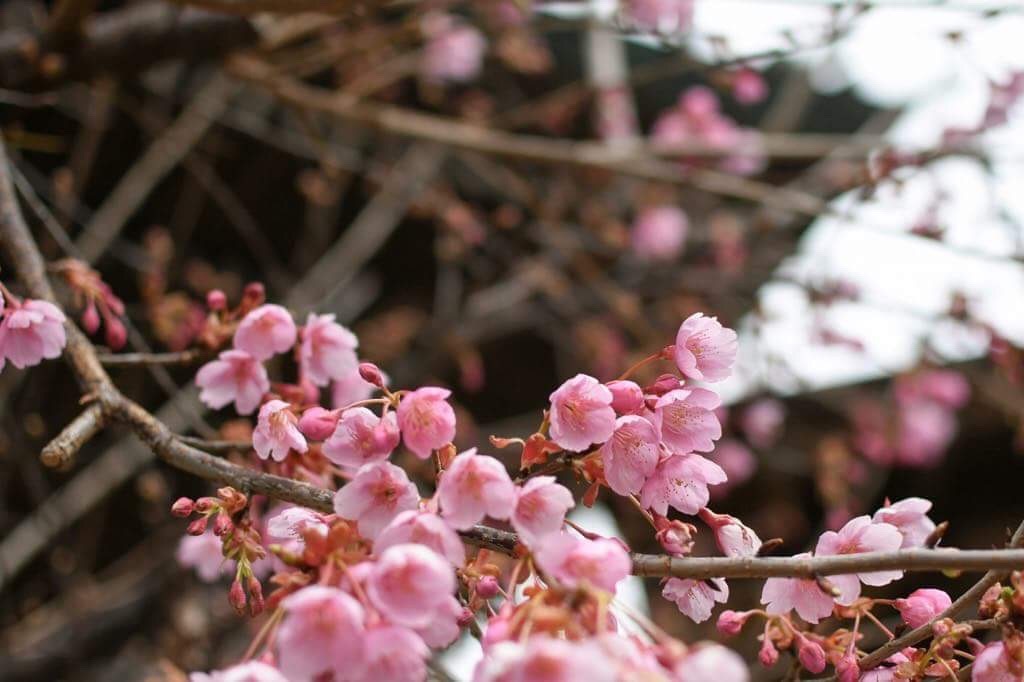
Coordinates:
811	655
254	294
255	596
216	300
236	596
768	655
627	397
90	319
182	507
663	384
465	617
487	587
847	669
116	334
197	527
371	374
731	622
222	525
318	423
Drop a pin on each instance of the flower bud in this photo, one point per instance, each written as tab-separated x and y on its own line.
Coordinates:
182	507
922	605
254	294
222	525
90	319
465	617
318	423
768	655
487	587
663	384
197	527
116	334
216	300
204	504
731	622
236	596
255	596
847	669
811	655
627	398
371	374
674	536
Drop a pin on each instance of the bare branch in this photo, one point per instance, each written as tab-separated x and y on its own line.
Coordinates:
185	357
68	442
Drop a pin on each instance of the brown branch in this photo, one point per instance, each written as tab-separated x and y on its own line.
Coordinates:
121	42
216	446
185	357
68	442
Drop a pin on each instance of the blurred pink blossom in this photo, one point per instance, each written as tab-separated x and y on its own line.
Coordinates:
659	233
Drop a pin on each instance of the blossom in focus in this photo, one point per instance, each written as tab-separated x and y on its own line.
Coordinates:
688	421
409	583
782	595
860	535
205	554
540	509
696	598
922	605
574	561
235	376
277	432
631	454
659	233
291	523
581	413
681	481
321	634
454	51
30	332
910	516
378	493
426	420
733	537
328	350
627	396
472	487
704	349
425	528
362	437
266	331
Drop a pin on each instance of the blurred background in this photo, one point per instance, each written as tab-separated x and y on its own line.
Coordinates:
495	196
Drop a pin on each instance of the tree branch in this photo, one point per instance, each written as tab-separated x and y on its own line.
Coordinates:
68	442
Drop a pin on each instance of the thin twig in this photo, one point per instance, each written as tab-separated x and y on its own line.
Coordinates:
216	446
68	442
185	357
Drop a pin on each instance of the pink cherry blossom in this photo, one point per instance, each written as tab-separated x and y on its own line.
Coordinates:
540	508
581	413
266	331
378	493
454	51
696	598
669	16
926	431
250	671
322	633
910	516
681	481
762	422
736	460
427	421
688	421
712	663
277	431
627	396
549	659
631	454
30	332
733	537
362	437
444	628
395	654
235	376
922	605
994	664
659	233
781	595
859	535
946	387
424	528
205	554
472	487
350	388
291	522
409	583
318	423
574	561
748	86
704	349
328	350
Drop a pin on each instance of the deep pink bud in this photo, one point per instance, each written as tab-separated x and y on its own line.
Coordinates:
182	507
663	384
811	655
768	655
731	622
675	536
197	527
254	294
236	596
204	504
847	669
487	587
627	398
922	605
116	334
216	300
222	524
465	617
90	319
371	374
255	596
317	423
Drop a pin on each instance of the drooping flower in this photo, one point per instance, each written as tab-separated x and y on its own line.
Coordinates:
454	51
733	537
250	671
696	598
362	437
30	332
266	331
688	421
328	350
994	664
427	421
631	454
920	606
424	528
540	509
472	487
378	493
910	516
322	633
704	349
277	431
395	654
781	595
581	413
713	663
659	233
409	583
859	535
573	561
235	376
681	481
205	554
